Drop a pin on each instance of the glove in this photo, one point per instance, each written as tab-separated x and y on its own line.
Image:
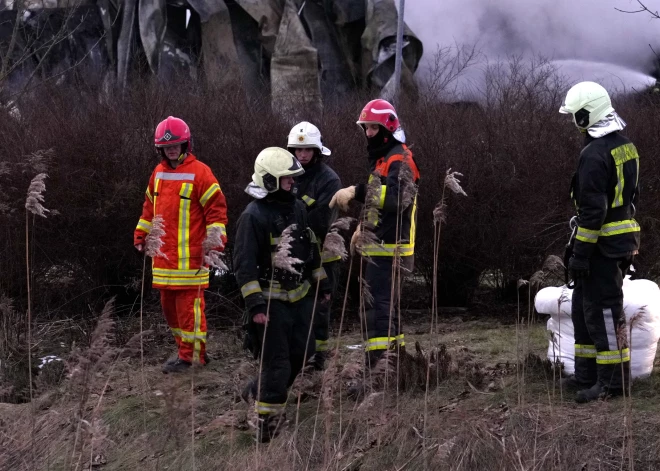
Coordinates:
343	197
579	267
355	237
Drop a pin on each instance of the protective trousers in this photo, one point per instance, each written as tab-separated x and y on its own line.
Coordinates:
288	344
184	312
323	311
601	347
382	315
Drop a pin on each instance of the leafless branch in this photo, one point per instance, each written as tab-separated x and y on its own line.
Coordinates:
643	8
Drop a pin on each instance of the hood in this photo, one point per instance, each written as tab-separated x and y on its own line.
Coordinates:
255	191
609	124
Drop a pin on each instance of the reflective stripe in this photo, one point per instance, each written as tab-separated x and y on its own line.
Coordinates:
223	229
144	225
291	296
174	281
587	235
274	240
624	153
321	345
585	351
608	320
619	227
388	250
618	189
184	226
249	288
308	201
197	334
267	408
155	195
148	193
190	336
176	332
213	189
319	274
175	176
325	258
384	343
613	357
381	199
164	272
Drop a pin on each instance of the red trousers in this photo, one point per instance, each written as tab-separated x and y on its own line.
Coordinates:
184	312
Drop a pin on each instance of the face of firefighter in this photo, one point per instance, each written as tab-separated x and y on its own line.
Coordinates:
371	130
286	183
305	155
172	152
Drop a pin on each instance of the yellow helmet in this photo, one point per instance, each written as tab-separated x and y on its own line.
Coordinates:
273	163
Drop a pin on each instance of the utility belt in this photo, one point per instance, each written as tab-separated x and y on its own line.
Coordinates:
286	279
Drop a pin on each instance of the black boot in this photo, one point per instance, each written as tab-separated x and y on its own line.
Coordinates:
269	426
178	366
318	361
573	383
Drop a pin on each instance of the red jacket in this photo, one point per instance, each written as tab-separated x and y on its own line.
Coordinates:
190	201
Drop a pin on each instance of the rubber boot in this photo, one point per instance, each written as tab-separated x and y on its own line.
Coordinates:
269	426
178	366
572	383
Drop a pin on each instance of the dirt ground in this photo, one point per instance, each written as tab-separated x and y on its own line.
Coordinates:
490	410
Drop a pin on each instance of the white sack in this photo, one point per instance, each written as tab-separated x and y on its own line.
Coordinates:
641	304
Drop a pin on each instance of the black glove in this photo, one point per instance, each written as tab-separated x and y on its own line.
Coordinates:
579	267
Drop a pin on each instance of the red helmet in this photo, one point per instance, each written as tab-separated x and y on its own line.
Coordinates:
382	112
172	131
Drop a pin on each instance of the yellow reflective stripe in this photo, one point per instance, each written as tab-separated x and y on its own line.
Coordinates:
381	199
618	189
319	274
223	228
176	332
274	240
585	351
308	200
213	189
148	193
197	348
383	343
268	408
613	356
587	235
173	281
184	226
624	153
413	222
156	183
321	345
189	336
291	296
180	273
144	225
620	227
249	288
325	258
388	250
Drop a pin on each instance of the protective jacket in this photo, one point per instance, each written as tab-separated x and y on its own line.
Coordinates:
605	192
316	187
258	234
190	201
390	205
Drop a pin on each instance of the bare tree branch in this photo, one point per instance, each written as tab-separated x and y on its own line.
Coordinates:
643	8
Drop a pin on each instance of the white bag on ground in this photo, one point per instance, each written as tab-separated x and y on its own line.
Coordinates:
641	305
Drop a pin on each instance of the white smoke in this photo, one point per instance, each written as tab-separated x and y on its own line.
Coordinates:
586	39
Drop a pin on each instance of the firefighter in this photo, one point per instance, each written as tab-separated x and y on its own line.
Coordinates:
316	188
604	190
186	194
279	302
387	154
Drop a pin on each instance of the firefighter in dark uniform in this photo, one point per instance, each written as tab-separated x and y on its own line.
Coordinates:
604	190
388	154
316	188
278	301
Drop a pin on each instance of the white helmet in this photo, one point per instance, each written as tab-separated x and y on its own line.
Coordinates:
273	163
588	102
305	135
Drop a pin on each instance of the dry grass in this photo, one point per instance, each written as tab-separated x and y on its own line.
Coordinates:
468	427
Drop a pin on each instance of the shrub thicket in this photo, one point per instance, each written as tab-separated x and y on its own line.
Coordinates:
516	152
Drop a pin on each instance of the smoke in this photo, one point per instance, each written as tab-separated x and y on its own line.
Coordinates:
586	39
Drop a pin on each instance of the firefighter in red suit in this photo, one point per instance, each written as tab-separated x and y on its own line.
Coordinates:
186	194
